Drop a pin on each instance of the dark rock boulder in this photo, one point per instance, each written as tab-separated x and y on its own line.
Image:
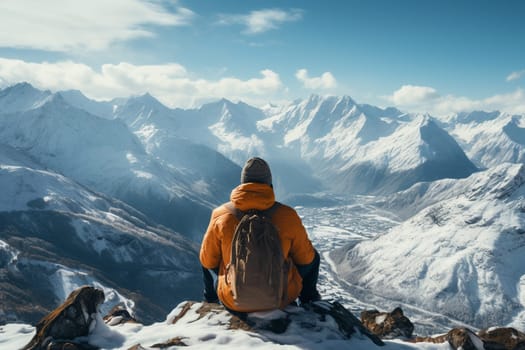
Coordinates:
464	338
388	324
506	338
458	338
69	321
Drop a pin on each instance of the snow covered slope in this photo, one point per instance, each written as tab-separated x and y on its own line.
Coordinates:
105	156
461	256
103	109
490	138
22	97
56	235
201	330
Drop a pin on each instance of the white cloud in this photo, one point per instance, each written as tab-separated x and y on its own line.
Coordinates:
515	75
424	99
262	20
62	25
409	95
325	81
170	83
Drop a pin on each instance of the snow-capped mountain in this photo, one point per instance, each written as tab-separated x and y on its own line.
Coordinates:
56	235
165	136
313	144
104	155
490	138
103	109
22	97
461	256
364	149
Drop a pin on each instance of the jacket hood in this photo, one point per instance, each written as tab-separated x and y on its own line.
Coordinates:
253	196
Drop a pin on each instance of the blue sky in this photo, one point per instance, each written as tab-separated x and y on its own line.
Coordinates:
423	56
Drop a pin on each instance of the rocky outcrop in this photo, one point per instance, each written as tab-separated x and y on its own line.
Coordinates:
70	325
309	317
388	324
458	338
491	339
510	338
71	320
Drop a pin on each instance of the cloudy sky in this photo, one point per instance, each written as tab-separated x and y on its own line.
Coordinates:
425	56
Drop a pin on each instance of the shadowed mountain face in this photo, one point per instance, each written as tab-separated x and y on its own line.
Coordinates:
52	257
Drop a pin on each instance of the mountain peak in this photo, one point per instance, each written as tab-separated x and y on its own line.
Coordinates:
22	97
148	99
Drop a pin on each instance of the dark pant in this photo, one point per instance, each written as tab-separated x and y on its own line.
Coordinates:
309	274
210	284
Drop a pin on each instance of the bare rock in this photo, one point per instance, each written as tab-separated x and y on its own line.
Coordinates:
177	341
388	324
137	347
465	339
458	338
67	322
502	338
235	322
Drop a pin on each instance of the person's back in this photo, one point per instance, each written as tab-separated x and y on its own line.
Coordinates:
256	193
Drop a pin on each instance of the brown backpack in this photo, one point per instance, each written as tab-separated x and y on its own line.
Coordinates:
258	271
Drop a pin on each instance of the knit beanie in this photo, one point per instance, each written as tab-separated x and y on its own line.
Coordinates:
256	170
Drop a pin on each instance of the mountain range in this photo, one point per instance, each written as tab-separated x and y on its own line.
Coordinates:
105	190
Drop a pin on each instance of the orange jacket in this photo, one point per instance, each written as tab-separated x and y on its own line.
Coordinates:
216	245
